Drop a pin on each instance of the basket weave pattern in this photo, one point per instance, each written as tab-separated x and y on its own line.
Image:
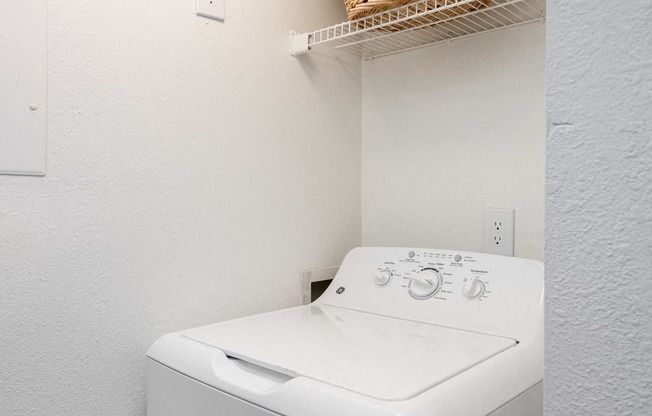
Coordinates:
357	9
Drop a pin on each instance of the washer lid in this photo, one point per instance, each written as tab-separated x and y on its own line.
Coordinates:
378	356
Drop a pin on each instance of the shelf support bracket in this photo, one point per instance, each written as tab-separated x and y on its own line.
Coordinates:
299	43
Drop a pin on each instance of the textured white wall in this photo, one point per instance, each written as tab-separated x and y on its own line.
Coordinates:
194	168
598	209
449	130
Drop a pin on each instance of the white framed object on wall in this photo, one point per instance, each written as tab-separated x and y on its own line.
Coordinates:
23	86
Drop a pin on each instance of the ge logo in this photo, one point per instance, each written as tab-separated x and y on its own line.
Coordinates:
340	290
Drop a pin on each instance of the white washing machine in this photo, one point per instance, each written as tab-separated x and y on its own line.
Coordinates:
409	332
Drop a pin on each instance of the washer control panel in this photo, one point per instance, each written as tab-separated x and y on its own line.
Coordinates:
475	291
439	275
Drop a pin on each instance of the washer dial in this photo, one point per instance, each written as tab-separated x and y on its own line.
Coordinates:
473	288
382	277
425	283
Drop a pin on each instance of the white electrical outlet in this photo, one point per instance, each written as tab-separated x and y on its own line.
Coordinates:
499	231
210	8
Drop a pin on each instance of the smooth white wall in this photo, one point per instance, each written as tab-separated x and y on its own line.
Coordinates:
598	209
449	130
194	168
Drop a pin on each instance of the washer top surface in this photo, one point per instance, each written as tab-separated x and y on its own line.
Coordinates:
378	356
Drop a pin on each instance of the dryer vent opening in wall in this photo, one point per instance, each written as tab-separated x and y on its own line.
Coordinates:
314	283
318	288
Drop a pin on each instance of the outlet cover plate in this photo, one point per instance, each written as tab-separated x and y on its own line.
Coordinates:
499	231
213	9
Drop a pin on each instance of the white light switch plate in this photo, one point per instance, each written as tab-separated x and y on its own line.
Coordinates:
210	8
499	231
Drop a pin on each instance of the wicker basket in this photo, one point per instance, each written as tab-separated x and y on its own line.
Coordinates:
357	9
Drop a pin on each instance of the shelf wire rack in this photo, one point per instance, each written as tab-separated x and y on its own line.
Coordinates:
422	23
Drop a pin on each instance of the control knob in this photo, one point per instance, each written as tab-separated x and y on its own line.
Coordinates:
425	283
473	288
382	277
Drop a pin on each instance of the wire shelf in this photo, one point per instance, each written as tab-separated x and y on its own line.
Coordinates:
419	24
